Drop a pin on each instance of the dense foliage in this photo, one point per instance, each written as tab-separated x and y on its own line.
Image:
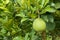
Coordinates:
17	17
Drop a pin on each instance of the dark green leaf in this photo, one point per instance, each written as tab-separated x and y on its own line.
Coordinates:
50	26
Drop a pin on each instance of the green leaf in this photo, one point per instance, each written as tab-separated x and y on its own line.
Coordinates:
45	18
57	5
46	2
5	20
18	38
32	35
8	24
26	36
5	38
5	1
33	9
57	38
21	2
33	15
50	18
21	14
8	34
42	3
4	9
23	19
49	37
53	4
18	1
48	9
3	31
50	26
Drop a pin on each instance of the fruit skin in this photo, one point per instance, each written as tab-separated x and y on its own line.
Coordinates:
39	25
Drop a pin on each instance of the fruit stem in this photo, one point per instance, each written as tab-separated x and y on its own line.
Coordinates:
38	14
44	35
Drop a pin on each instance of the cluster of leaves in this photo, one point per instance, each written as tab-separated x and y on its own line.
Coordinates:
17	16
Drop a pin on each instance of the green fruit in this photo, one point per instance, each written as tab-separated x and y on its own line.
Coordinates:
39	25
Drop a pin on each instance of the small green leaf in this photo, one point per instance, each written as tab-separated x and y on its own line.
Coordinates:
53	4
57	5
5	1
21	15
46	2
4	9
42	3
49	37
21	2
18	38
8	34
23	19
18	1
3	31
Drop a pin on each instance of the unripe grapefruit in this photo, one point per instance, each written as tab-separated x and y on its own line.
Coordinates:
39	24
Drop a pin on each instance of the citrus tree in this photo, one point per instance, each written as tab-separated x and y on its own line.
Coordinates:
29	20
